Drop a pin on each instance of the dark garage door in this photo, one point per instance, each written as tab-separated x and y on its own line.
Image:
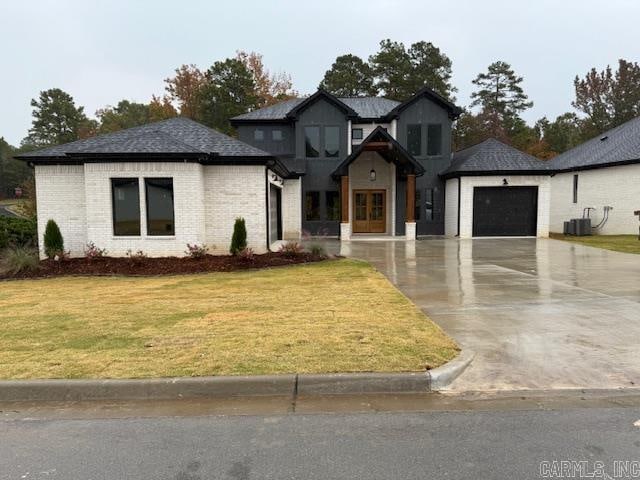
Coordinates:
505	211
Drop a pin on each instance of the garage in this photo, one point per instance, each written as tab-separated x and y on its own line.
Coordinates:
505	211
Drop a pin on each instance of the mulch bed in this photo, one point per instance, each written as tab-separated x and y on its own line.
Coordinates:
160	266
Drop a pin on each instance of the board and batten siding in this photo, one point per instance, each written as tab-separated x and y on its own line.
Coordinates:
617	187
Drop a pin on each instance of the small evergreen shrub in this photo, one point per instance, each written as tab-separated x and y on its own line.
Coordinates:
317	250
19	232
239	238
291	249
91	251
53	241
196	251
20	259
246	254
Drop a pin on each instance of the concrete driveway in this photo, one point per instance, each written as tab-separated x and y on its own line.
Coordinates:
539	313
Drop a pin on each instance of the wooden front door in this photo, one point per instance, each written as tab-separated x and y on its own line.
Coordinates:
369	211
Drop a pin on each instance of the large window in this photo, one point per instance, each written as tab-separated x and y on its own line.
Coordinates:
429	205
331	141
258	135
414	139
312	206
356	134
434	139
276	135
159	197
312	142
125	195
332	200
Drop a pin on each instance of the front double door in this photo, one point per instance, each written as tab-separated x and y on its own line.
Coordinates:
369	211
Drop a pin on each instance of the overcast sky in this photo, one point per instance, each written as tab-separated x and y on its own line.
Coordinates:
104	51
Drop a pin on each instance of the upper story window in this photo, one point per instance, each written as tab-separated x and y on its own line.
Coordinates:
356	134
159	199
276	135
331	141
312	142
434	139
125	198
414	139
258	135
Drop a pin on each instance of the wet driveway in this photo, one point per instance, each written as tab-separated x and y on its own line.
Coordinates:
538	313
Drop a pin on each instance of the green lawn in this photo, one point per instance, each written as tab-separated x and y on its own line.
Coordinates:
334	316
619	243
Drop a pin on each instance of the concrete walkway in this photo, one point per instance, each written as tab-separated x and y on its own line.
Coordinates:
539	313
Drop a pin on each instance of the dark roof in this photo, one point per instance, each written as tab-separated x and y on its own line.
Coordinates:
175	136
617	146
363	107
454	111
396	154
494	157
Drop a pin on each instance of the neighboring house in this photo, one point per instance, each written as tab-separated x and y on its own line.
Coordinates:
602	172
348	167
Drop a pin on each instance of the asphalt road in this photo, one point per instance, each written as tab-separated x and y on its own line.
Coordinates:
486	443
4	212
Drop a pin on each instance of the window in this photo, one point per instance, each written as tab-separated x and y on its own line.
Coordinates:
312	206
312	142
332	200
258	135
126	206
159	197
331	141
414	139
429	204
575	189
434	139
418	206
276	135
356	134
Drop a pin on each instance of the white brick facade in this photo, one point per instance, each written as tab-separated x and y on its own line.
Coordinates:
451	207
207	200
466	201
617	187
292	209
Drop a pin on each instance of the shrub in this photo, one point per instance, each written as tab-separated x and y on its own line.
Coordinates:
20	259
239	238
291	249
317	250
196	251
53	241
17	232
246	254
136	257
91	251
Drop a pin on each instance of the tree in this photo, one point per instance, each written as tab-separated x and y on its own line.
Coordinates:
239	237
430	68
564	133
160	108
349	76
229	91
12	172
124	115
400	72
56	119
53	241
269	88
608	99
184	88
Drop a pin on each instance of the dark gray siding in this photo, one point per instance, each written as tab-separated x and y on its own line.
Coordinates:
424	112
286	146
318	170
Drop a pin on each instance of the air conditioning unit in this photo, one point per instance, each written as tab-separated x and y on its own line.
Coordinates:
582	226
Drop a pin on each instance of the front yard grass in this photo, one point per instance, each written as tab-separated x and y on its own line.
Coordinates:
618	243
334	316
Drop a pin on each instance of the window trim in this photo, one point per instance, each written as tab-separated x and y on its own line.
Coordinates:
146	211
353	137
113	181
575	188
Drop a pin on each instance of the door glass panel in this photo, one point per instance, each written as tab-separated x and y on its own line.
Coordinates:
361	206
377	206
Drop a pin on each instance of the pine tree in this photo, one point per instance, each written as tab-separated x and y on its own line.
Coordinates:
239	237
53	241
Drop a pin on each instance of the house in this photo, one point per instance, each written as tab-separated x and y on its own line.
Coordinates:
354	167
600	178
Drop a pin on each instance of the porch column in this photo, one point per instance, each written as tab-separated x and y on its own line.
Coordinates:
345	226
410	222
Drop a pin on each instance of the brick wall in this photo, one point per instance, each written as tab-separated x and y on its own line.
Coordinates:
292	209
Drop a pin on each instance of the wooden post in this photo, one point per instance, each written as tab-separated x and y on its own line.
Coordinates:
344	198
411	198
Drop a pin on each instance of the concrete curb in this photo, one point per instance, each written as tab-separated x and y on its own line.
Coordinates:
442	376
232	386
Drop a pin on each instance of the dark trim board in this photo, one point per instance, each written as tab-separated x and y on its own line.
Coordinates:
505	211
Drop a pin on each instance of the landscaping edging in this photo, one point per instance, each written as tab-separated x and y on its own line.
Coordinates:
231	386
